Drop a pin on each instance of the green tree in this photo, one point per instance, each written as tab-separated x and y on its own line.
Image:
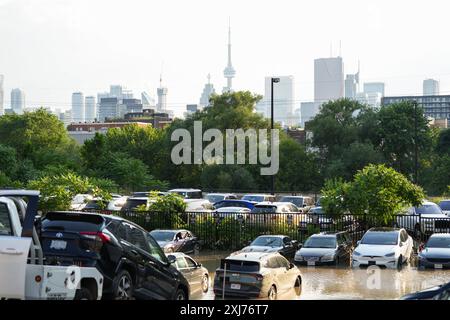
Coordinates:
443	144
57	191
396	135
376	190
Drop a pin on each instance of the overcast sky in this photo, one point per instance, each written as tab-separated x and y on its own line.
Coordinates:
50	48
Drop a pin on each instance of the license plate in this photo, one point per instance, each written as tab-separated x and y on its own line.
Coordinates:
438	266
58	245
311	263
236	286
372	263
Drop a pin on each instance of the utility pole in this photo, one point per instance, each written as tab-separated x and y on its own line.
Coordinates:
273	80
416	150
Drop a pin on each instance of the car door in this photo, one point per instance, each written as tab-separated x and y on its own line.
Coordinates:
189	242
288	248
195	273
13	258
283	273
161	276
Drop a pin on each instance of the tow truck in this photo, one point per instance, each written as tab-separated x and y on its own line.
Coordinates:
24	274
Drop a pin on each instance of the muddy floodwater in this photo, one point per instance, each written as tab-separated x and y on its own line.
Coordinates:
330	282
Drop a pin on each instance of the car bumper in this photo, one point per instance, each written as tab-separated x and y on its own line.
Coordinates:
425	264
317	261
381	262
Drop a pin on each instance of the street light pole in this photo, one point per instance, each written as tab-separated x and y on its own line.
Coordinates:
273	80
416	158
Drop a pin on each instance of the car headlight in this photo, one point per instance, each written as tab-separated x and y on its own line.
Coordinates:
328	257
390	254
356	253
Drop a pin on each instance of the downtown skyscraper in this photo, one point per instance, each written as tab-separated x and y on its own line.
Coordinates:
78	108
328	79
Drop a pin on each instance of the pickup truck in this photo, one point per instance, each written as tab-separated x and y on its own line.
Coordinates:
24	274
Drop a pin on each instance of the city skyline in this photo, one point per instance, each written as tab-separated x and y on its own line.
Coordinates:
59	63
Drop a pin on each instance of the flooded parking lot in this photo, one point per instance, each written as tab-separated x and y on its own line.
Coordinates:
330	282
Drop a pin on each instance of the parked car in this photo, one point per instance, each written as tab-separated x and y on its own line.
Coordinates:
179	240
255	275
259	198
273	243
79	201
275	212
445	206
98	204
216	197
441	292
188	193
234	203
236	213
146	194
325	248
436	252
196	275
134	203
130	260
198	205
317	216
389	247
425	219
303	203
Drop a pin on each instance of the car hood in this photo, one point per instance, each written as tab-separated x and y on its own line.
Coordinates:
316	251
436	253
261	249
162	244
375	250
447	212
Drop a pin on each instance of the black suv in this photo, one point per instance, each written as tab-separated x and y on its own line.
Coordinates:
131	261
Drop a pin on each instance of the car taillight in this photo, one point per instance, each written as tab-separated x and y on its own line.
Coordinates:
96	235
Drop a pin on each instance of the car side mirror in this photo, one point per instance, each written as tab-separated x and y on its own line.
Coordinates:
291	266
171	259
199	265
358	242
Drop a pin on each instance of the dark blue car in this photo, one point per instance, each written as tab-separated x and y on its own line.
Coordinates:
234	203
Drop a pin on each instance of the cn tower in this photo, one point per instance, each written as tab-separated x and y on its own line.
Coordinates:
229	71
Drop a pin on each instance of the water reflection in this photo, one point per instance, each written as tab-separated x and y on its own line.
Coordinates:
345	283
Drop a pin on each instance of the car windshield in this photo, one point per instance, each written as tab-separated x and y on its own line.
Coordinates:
320	242
439	242
96	204
445	205
380	238
224	204
263	209
267	242
429	209
297	201
163	235
213	198
189	194
317	210
237	265
253	198
132	204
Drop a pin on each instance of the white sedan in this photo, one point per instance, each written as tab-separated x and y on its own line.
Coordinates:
389	247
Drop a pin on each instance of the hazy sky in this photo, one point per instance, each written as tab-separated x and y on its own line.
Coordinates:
50	48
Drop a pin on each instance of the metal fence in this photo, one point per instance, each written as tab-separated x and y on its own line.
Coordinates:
231	231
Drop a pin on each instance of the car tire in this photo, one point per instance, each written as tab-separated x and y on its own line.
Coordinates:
298	282
272	294
205	283
181	294
337	261
123	286
83	294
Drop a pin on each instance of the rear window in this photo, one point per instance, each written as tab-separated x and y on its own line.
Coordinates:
72	222
5	223
428	209
224	204
445	205
132	204
297	201
262	209
238	265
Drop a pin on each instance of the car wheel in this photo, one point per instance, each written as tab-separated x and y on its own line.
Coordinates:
180	295
298	282
205	283
123	286
83	294
337	261
272	294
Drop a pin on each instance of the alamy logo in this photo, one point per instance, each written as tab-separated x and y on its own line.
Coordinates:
213	153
